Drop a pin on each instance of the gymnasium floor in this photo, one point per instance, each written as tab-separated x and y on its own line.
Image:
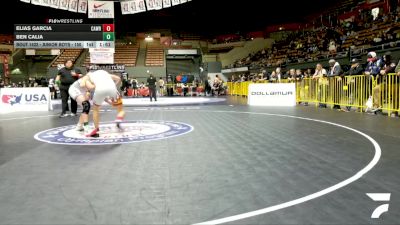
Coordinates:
214	162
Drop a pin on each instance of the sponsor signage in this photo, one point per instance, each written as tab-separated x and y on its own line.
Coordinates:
112	50
25	99
182	52
118	68
233	70
101	57
272	94
101	9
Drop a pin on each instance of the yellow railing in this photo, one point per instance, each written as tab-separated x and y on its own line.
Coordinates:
238	88
349	91
388	93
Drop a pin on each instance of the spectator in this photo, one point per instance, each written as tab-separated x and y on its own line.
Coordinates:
334	68
273	76
208	86
377	39
388	67
292	75
320	75
332	48
185	88
161	84
355	69
265	75
217	84
299	75
233	78
396	97
307	73
135	85
278	74
125	84
334	72
52	88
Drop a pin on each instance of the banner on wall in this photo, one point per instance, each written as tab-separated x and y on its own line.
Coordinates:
83	5
105	9
166	3
37	2
102	57
140	4
158	4
150	4
176	2
73	5
125	7
112	50
115	68
45	3
101	9
64	4
55	4
134	6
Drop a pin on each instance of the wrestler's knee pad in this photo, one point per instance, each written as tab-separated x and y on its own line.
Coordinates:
86	107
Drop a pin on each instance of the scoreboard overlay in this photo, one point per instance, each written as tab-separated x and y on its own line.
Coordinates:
64	36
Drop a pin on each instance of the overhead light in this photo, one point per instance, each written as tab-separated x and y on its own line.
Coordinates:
16	71
148	38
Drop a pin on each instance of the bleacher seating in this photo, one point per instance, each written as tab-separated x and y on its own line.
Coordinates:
181	46
66	54
6	39
154	55
299	46
124	54
190	36
367	34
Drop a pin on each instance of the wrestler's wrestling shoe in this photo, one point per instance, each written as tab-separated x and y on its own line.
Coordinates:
118	121
79	128
93	133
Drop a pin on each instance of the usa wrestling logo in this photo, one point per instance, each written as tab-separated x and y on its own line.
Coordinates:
11	99
129	132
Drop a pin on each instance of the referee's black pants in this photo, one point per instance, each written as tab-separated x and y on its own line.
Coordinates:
153	93
64	100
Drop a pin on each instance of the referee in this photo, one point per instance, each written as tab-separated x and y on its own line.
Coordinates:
151	82
67	76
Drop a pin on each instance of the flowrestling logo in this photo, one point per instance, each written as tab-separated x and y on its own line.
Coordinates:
130	132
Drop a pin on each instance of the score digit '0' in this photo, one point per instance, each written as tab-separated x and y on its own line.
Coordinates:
108	27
